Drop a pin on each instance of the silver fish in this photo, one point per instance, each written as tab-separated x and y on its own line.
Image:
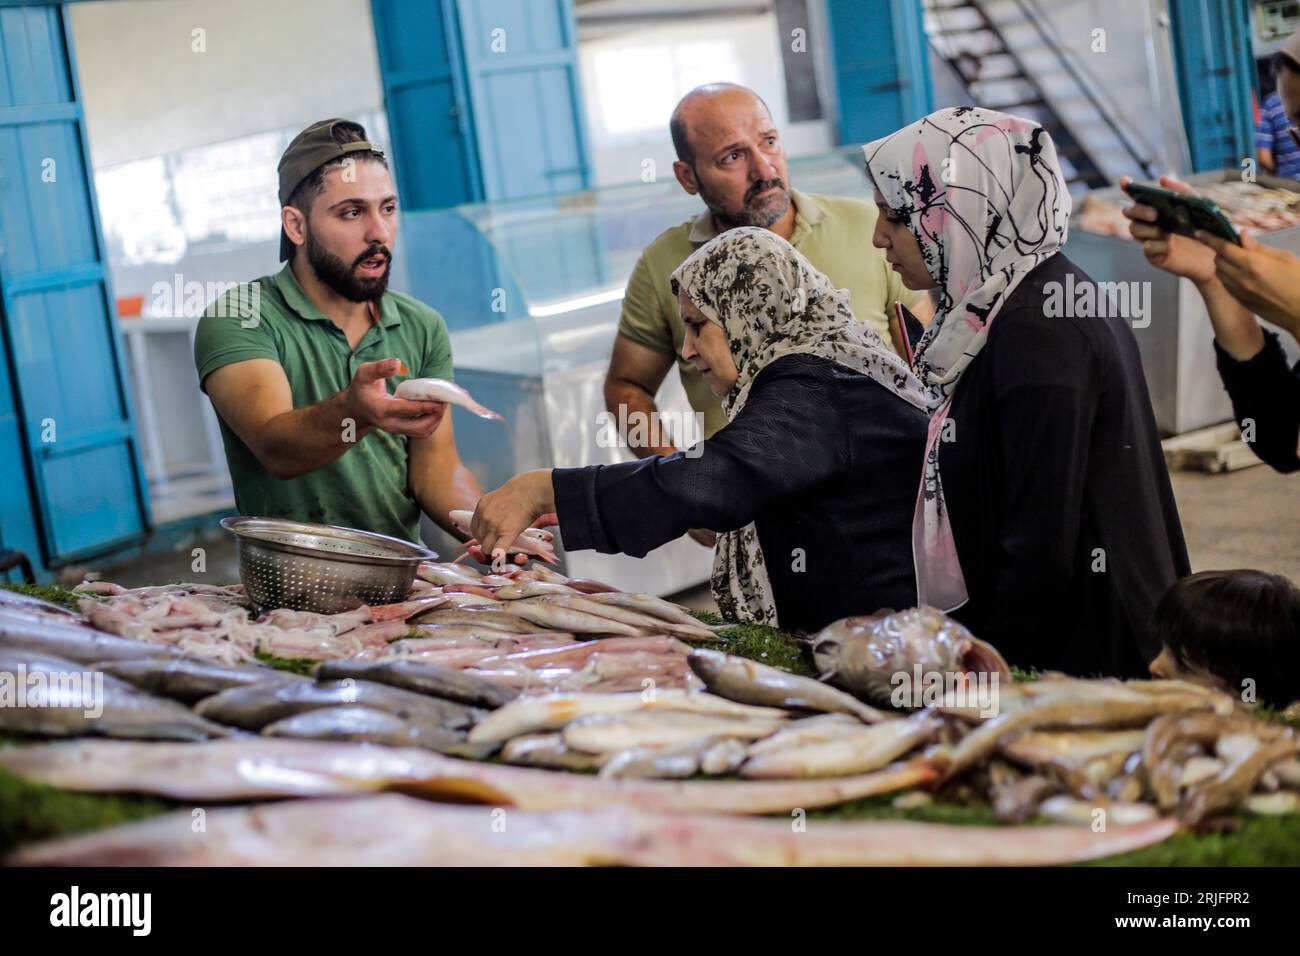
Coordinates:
549	751
554	613
648	604
869	748
256	767
441	390
711	755
423	678
252	708
527	715
807	732
368	725
1103	712
486	620
643	622
396	830
443	573
17	600
610	733
65	699
72	641
750	682
1234	783
863	654
188	680
1083	813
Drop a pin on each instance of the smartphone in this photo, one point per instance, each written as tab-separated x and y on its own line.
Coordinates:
905	330
1181	213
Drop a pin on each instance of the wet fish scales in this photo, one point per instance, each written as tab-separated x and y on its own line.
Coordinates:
422	678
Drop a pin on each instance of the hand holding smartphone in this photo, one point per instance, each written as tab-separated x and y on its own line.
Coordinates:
1182	213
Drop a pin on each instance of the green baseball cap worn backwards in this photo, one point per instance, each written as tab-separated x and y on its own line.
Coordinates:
310	150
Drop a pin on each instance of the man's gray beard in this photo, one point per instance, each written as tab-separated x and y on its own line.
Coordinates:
764	218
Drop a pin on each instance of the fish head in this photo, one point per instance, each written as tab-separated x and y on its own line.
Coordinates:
708	665
460	519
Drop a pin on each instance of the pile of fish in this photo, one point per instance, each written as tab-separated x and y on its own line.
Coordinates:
421	715
214	623
537	631
532	629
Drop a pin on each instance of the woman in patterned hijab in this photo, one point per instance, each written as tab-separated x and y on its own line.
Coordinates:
771	302
983	194
812	480
1051	524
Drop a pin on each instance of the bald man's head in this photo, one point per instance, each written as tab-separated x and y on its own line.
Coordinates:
730	154
702	103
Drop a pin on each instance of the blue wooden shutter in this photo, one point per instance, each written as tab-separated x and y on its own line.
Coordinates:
881	66
1215	70
59	323
434	155
521	67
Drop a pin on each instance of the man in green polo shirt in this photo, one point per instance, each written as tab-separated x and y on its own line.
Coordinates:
297	363
730	154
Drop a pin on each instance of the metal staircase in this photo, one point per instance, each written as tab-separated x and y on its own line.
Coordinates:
994	73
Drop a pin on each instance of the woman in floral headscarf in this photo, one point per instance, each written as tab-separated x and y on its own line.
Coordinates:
814	477
1045	513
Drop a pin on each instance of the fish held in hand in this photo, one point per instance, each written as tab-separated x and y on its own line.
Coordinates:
531	541
441	390
863	654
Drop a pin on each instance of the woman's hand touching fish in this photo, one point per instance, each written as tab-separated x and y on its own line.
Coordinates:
521	558
503	515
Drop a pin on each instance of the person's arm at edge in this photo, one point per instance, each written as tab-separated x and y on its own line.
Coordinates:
643	354
254	398
635	374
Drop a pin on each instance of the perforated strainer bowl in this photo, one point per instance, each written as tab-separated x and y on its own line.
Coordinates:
321	567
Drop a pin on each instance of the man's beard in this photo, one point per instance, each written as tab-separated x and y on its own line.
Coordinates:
342	278
763	213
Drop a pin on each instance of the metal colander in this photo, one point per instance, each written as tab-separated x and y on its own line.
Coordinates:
321	567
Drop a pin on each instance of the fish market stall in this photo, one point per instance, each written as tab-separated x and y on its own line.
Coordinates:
615	727
1174	332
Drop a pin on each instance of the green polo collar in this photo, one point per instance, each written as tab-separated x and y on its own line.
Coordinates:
807	213
298	300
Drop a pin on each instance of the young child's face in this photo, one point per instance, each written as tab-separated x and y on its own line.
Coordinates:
1165	667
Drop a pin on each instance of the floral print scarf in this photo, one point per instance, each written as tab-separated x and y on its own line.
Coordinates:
771	302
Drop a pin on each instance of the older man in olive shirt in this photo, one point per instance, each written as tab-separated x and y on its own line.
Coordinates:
730	154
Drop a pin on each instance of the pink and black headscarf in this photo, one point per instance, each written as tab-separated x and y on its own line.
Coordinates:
983	194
